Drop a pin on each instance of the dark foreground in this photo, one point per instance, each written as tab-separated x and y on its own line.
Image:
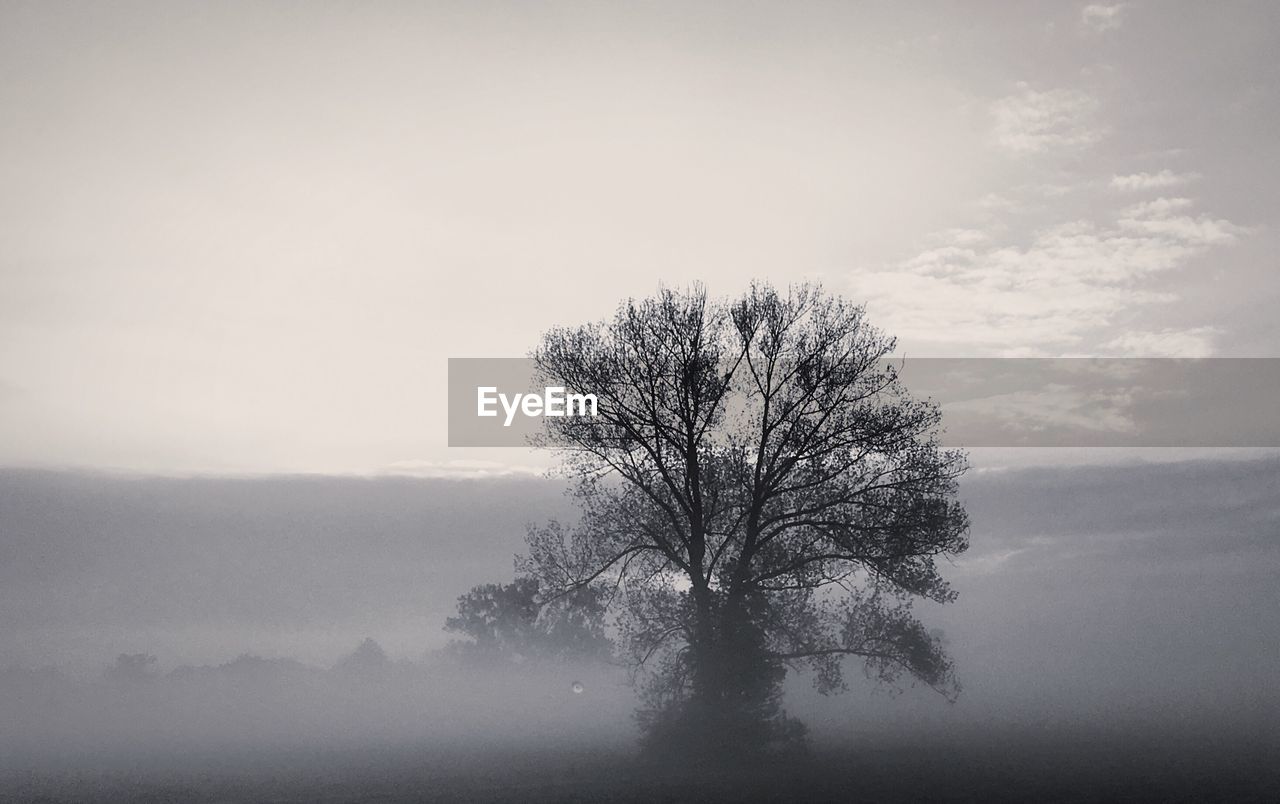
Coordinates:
1032	766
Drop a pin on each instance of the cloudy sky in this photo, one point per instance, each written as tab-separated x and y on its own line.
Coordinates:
246	237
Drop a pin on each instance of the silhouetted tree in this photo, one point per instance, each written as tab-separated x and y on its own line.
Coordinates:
508	621
763	493
132	667
368	657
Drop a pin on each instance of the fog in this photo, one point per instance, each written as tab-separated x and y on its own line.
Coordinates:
1128	604
249	705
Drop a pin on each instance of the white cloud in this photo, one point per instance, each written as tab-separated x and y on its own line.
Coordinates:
1031	122
1057	190
994	202
1157	218
1161	207
1193	342
1102	17
459	469
960	237
1151	181
1058	293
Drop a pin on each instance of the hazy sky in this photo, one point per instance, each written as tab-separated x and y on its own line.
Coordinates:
246	237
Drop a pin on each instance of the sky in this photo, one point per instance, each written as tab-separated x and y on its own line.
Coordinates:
245	238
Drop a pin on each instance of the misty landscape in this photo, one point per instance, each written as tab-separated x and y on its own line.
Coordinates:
1141	651
667	401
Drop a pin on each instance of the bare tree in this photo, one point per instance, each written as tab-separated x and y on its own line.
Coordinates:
760	491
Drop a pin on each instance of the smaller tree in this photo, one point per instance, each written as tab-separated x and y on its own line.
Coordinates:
506	621
368	657
131	668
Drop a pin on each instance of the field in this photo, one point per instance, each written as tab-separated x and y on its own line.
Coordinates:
1028	766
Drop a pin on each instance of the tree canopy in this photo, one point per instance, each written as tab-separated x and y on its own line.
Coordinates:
759	491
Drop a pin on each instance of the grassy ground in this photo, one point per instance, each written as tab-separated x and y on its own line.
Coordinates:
1006	767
